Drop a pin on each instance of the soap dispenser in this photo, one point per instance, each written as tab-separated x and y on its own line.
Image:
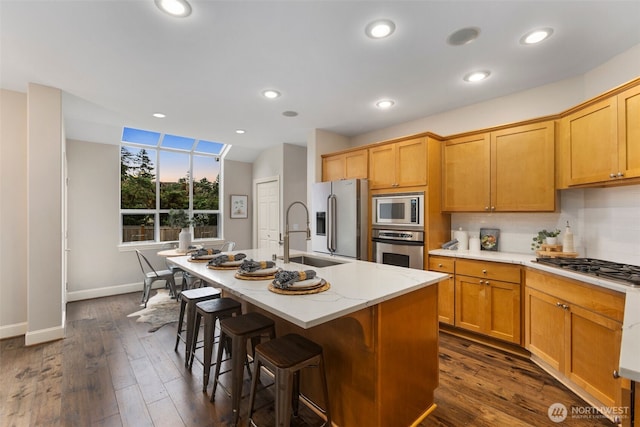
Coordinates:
567	240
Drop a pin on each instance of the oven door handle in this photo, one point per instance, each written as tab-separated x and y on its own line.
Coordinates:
331	223
397	242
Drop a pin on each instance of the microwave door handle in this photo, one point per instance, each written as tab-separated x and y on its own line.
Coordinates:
331	223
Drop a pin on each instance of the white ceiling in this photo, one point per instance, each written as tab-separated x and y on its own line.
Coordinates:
120	61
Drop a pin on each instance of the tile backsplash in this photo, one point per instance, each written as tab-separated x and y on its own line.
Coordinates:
605	223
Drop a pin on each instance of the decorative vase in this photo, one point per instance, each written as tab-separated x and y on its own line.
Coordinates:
184	240
551	240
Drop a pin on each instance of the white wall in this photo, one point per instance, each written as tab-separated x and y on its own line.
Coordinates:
237	180
45	146
289	162
13	213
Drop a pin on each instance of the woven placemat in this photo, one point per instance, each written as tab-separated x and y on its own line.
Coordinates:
198	260
243	277
223	267
322	288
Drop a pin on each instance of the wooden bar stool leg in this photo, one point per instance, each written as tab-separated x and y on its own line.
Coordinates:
284	388
209	327
180	323
238	356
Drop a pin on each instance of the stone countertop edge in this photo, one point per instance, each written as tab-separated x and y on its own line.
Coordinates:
529	260
355	285
630	348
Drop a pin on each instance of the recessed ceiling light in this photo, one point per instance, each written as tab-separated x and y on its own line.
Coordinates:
463	36
385	104
271	94
159	115
380	29
179	8
289	113
476	76
239	131
536	36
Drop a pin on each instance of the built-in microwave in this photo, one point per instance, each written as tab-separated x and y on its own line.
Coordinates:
402	209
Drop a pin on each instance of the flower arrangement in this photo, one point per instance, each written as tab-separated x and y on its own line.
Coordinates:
542	235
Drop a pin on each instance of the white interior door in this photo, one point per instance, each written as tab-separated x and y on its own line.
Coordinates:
268	214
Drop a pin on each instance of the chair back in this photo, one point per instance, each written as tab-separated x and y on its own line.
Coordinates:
228	246
143	260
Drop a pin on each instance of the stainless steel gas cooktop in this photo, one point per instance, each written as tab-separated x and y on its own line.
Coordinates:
623	273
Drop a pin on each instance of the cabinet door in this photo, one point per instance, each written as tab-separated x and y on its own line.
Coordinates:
629	132
446	301
502	316
382	162
465	179
333	167
593	353
356	164
411	162
545	332
590	141
446	288
470	303
523	168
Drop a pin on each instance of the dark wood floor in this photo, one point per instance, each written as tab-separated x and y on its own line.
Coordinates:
110	371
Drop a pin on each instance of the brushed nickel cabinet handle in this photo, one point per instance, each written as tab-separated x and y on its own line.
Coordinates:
616	374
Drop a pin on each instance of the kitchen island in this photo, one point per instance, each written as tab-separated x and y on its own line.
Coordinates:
378	325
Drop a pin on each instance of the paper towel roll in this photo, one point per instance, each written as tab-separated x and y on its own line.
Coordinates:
474	244
463	239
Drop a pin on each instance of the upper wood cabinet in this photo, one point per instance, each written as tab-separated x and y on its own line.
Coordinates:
398	164
601	142
347	165
508	170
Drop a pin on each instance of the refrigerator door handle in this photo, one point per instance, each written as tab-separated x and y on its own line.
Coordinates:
331	225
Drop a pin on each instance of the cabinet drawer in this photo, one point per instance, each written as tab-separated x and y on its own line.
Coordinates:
442	264
606	302
489	270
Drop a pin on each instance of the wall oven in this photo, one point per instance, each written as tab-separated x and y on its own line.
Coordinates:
404	248
399	210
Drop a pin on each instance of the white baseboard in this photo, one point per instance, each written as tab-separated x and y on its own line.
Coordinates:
9	331
44	335
110	291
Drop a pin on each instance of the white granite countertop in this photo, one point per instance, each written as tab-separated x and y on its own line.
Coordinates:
354	285
630	346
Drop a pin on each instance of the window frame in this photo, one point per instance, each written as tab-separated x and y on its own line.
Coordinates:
157	211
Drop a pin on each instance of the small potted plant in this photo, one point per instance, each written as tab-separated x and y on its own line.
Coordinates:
545	236
178	218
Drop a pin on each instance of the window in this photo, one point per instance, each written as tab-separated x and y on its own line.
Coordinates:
160	172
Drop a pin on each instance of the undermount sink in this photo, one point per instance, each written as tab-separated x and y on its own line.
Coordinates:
314	261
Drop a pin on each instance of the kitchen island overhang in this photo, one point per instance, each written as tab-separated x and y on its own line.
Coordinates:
377	324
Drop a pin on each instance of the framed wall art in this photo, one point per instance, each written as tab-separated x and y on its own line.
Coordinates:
239	205
489	239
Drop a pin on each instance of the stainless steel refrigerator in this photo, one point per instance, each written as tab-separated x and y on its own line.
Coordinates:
339	223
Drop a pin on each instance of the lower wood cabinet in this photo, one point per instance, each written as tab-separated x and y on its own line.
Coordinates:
446	288
487	299
576	330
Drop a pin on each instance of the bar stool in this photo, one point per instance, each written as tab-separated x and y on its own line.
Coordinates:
188	300
210	311
240	329
286	356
